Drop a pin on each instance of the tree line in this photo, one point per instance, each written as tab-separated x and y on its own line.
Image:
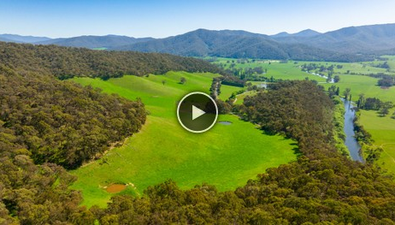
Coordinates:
376	104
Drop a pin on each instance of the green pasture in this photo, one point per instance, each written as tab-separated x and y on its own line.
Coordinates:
363	85
227	90
226	156
279	70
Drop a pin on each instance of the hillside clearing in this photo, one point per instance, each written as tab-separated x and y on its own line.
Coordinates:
226	156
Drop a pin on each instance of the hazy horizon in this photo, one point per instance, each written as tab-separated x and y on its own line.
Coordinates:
158	19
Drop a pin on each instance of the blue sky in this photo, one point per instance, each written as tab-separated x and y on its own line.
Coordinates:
156	18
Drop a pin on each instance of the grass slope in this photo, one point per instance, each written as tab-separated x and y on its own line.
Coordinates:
227	90
382	130
226	156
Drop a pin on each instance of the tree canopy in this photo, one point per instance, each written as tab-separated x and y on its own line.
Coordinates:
66	62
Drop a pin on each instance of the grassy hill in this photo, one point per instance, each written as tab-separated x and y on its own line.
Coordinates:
224	156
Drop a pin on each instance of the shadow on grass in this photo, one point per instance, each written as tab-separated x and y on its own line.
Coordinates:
270	133
295	146
296	149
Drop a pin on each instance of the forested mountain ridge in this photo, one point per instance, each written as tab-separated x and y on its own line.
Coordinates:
362	39
360	43
236	44
66	62
345	44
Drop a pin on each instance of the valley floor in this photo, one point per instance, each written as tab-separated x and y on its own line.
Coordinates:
226	156
352	75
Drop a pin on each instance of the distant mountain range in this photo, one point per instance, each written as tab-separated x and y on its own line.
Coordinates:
363	39
21	39
233	44
303	33
109	41
346	44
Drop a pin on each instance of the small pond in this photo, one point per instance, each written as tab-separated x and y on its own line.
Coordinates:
225	122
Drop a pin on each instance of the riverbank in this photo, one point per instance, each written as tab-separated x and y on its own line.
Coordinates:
351	142
338	122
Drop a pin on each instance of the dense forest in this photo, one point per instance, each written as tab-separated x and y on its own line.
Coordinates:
61	122
66	62
45	122
35	194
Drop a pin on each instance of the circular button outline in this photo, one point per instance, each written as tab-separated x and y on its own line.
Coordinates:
178	114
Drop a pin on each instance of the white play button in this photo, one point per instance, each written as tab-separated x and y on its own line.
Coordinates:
196	112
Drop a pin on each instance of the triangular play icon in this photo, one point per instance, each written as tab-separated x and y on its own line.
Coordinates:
196	112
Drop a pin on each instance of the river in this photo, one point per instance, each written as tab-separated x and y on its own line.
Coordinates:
351	142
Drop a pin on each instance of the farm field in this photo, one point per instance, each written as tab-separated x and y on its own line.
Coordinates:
363	85
276	69
353	76
224	156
